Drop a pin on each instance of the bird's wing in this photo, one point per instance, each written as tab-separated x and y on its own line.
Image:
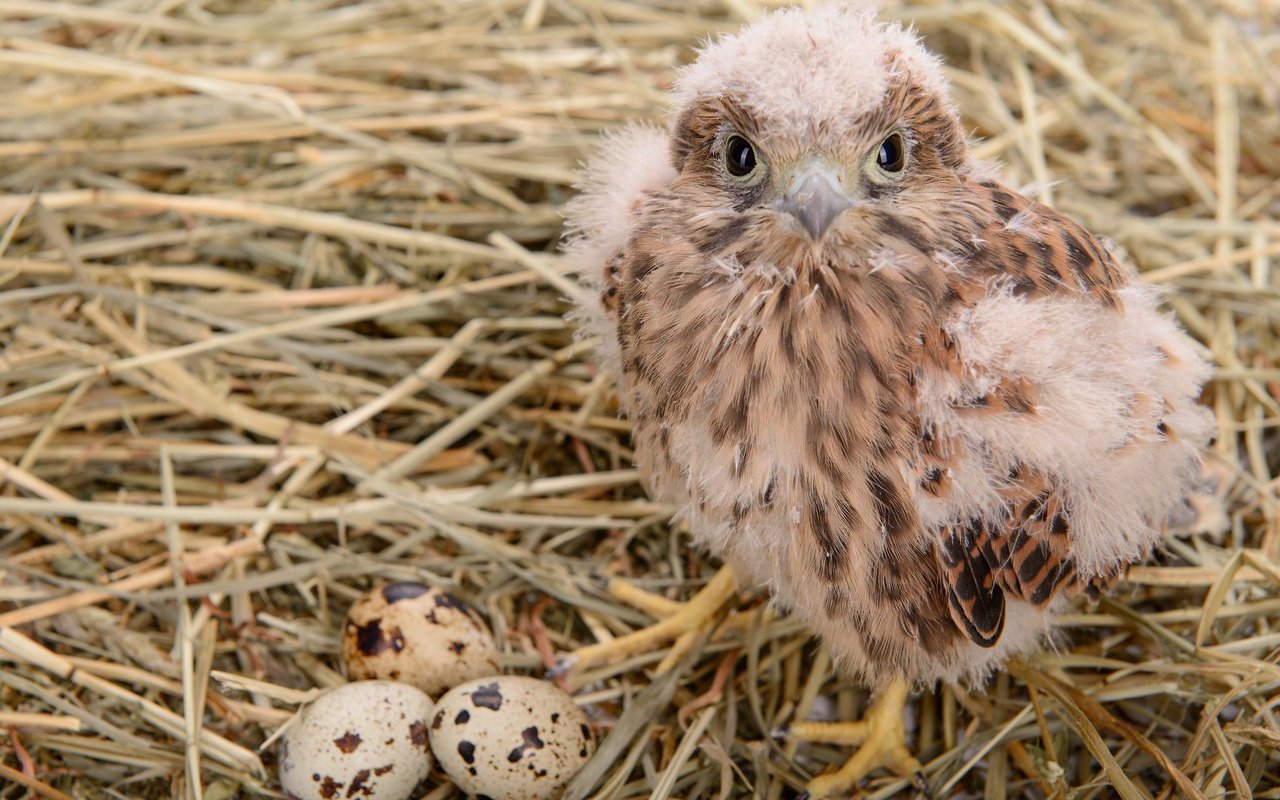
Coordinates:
1059	422
1043	253
1025	555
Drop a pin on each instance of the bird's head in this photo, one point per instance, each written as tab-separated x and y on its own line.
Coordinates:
815	129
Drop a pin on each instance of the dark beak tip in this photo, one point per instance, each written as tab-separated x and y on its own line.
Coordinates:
816	204
816	218
815	227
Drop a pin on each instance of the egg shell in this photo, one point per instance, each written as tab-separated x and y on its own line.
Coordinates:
367	739
510	738
416	634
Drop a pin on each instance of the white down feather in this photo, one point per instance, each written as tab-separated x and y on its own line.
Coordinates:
628	164
1103	383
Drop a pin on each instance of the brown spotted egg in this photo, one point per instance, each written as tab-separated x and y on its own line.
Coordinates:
366	739
416	634
510	738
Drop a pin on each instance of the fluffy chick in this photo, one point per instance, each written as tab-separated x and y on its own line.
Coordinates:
918	406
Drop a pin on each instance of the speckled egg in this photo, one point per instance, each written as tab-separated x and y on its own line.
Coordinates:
510	738
366	739
416	634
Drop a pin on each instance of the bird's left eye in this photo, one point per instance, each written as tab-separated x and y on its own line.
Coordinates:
739	157
892	156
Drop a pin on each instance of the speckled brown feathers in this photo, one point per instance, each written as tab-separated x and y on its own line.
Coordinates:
1040	251
870	375
1025	555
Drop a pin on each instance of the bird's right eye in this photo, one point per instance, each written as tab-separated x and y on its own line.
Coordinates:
739	157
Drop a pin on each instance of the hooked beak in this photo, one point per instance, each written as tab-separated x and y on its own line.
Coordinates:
815	201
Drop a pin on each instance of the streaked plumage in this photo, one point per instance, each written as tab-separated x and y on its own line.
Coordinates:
921	419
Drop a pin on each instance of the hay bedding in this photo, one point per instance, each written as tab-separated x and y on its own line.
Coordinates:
281	318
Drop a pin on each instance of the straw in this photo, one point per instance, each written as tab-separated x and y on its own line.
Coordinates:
282	318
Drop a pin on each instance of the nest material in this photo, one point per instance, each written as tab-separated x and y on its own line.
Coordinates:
281	316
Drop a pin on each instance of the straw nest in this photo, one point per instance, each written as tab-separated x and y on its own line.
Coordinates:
282	319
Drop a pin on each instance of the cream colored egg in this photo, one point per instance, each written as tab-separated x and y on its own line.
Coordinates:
510	738
416	634
366	739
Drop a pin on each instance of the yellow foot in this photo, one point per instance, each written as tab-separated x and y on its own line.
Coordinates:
683	622
882	739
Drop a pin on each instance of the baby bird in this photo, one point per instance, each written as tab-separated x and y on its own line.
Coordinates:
919	407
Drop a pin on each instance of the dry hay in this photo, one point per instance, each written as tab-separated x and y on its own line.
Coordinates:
281	319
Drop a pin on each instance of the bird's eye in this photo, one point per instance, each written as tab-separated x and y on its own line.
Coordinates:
892	156
739	157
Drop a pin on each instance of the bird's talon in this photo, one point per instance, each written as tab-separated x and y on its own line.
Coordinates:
561	667
879	737
921	783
